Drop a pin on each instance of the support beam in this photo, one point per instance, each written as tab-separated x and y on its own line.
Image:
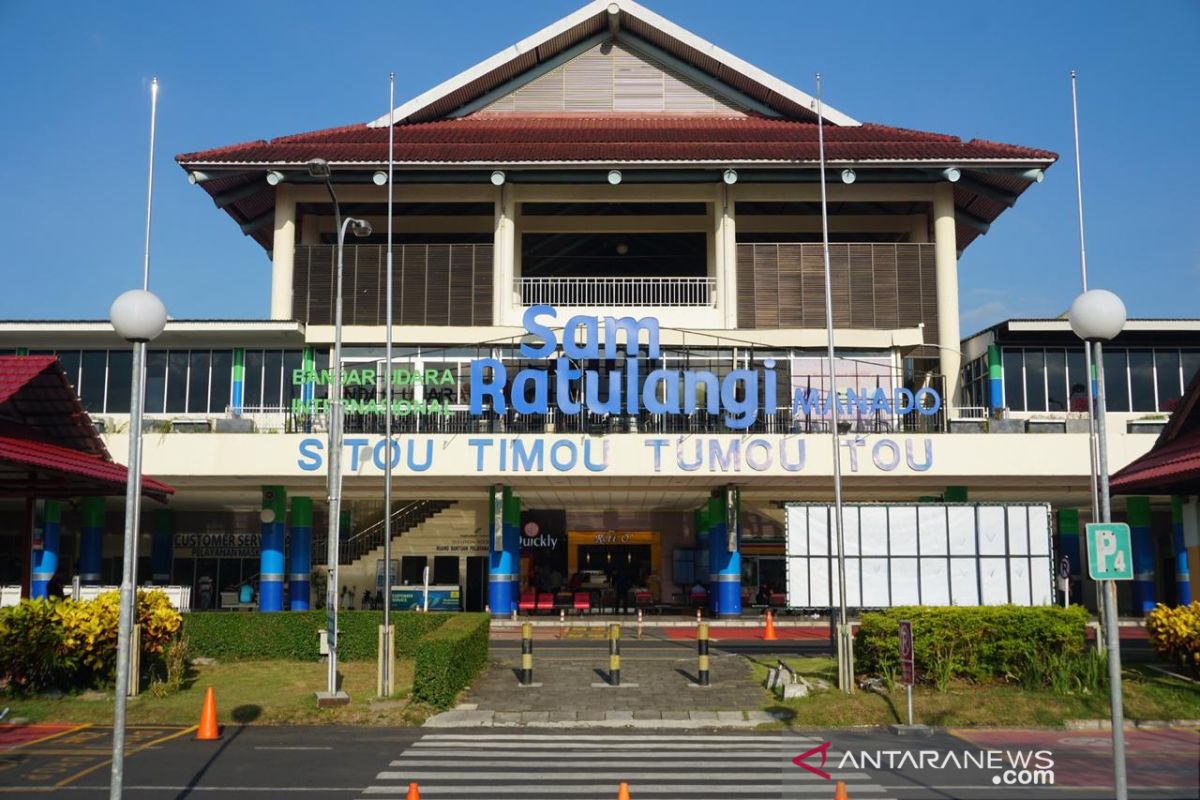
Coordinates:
946	269
982	189
972	221
283	253
254	223
231	196
726	239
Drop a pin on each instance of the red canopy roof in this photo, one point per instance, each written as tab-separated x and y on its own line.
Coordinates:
39	469
48	444
1173	465
498	139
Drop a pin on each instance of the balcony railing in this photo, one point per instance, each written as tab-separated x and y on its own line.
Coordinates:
606	292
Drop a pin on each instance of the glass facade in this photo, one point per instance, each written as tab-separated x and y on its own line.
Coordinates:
1053	379
180	381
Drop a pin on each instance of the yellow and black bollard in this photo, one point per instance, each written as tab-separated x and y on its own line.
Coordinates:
702	654
614	655
527	654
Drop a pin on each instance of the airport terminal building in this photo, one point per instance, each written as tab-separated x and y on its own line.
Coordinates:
610	365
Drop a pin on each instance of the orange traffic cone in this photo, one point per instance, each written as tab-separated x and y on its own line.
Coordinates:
623	792
414	792
208	730
769	634
840	793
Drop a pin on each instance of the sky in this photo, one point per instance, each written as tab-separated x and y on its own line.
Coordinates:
76	103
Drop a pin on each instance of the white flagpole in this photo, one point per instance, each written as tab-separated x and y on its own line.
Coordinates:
845	640
1087	363
386	668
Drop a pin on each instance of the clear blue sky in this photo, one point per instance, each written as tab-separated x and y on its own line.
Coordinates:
76	109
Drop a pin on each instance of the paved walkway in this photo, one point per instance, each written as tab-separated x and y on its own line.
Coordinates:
654	691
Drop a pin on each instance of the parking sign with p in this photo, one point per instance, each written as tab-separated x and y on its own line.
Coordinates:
1110	556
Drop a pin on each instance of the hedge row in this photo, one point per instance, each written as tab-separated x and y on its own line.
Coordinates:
449	658
977	643
292	635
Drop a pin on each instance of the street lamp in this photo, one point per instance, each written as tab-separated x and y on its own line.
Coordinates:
138	316
319	168
1097	316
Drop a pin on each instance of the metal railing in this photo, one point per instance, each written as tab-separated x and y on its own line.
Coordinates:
405	518
605	292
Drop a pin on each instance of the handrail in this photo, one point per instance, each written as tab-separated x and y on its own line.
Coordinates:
617	291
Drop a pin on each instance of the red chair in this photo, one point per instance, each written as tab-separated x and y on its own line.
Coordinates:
583	602
699	596
778	599
528	603
643	599
545	601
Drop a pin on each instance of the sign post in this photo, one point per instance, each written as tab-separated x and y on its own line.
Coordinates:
1064	579
906	663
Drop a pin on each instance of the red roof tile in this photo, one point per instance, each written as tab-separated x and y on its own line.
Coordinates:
17	371
43	456
499	139
1172	464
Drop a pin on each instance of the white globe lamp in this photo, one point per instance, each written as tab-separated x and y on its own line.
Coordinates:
1097	315
138	316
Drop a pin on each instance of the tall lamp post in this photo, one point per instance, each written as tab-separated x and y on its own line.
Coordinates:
138	316
332	696
1097	316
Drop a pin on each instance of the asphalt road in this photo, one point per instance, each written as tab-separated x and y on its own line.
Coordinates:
497	764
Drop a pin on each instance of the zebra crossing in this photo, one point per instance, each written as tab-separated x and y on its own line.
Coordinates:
573	765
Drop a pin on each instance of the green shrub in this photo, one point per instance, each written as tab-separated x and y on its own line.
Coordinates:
292	635
449	659
975	643
32	657
1175	634
64	644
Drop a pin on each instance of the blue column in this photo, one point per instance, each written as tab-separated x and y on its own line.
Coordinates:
1144	594
504	560
45	561
995	378
1183	584
1068	545
725	564
270	579
300	554
162	546
91	540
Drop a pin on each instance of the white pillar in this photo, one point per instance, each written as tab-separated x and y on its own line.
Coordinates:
726	242
946	264
283	253
503	253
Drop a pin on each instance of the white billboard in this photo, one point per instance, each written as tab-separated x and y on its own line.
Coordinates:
930	554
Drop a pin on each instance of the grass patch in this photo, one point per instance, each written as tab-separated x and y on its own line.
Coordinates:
248	692
1148	695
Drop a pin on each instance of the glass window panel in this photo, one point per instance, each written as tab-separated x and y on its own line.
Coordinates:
1116	381
292	361
120	376
1141	380
1078	380
272	378
91	379
1035	380
1191	365
1166	374
1014	388
198	382
156	380
1056	380
220	381
252	392
321	359
70	364
177	369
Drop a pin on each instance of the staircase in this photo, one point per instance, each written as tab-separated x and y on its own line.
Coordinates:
404	518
